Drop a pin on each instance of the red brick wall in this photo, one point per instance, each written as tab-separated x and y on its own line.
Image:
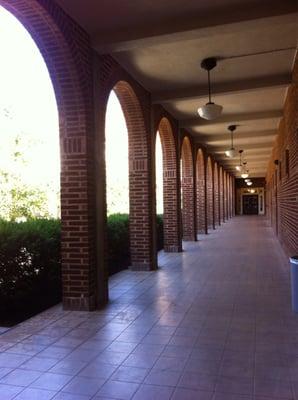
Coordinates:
210	209
221	195
188	190
171	184
65	48
282	181
216	195
136	106
82	82
201	195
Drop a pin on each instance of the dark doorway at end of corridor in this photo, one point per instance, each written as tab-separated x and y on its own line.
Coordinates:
250	204
250	198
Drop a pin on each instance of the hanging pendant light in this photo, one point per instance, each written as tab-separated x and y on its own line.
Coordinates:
239	167
244	173
210	110
231	153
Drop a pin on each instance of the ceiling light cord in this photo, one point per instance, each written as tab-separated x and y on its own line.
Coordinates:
209	86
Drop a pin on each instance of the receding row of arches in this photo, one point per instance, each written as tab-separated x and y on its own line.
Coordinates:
197	192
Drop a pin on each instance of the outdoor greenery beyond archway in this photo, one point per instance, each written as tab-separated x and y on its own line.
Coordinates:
29	177
117	186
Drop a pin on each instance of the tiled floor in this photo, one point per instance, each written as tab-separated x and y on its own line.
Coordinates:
213	323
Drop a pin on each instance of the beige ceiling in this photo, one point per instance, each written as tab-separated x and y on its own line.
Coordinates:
161	43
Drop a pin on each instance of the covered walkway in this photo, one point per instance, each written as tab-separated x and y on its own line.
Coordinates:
214	322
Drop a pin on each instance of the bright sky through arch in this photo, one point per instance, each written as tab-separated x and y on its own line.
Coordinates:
28	105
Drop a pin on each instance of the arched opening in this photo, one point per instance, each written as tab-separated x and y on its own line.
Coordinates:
201	195
117	186
221	195
166	176
142	252
228	197
187	195
216	195
232	207
30	278
210	200
159	176
159	193
66	66
225	195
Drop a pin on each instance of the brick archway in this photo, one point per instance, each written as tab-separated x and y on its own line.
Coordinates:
210	194
140	219
171	201
221	195
65	49
225	179
188	194
201	193
216	195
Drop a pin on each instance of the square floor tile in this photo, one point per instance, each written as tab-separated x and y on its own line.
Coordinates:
190	394
68	367
35	394
130	374
150	392
82	385
98	370
118	390
8	392
20	377
51	381
39	364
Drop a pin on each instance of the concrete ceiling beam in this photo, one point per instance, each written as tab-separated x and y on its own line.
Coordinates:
195	27
223	89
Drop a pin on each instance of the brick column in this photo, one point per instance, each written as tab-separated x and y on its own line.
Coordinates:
201	190
171	188
188	192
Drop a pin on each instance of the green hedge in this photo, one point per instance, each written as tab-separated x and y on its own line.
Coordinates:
30	263
118	241
30	278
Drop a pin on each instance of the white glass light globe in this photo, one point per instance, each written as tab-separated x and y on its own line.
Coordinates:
210	111
249	183
244	175
231	153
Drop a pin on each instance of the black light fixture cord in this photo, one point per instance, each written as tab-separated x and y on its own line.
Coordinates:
232	140
209	86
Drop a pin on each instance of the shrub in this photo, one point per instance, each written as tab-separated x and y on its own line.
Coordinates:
118	242
30	262
30	266
159	228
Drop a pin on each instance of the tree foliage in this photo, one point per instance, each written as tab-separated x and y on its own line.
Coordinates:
20	200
